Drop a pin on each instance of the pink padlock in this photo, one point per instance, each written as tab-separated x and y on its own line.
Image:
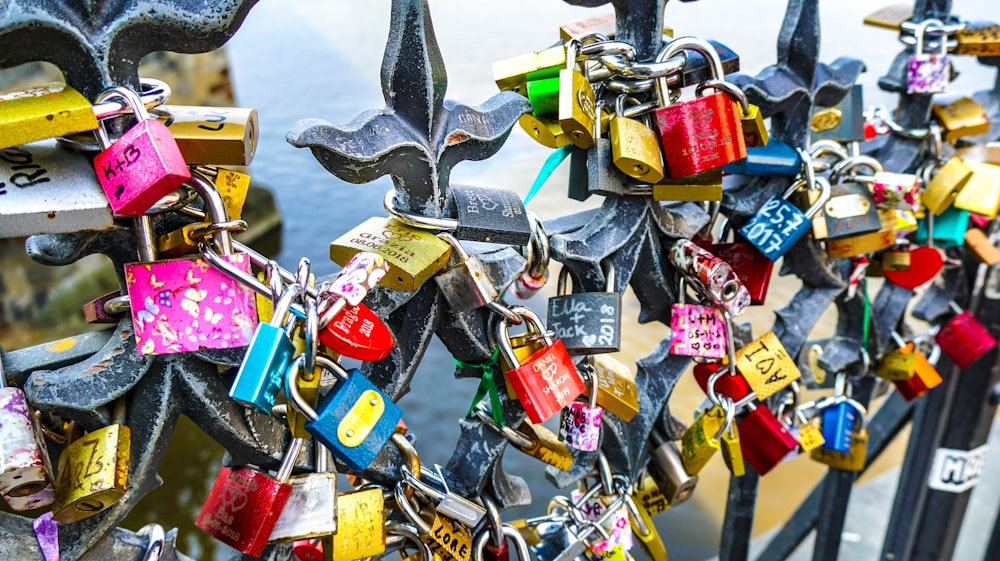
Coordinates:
143	165
187	304
928	73
580	422
696	330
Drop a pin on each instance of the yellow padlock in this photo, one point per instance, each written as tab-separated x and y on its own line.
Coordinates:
360	525
45	111
222	136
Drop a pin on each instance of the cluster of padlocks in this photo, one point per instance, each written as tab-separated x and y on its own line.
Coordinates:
629	132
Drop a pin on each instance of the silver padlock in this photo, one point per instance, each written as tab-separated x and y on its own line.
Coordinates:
667	470
434	486
465	283
311	510
25	480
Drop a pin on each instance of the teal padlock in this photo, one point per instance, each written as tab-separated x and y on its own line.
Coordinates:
262	373
948	229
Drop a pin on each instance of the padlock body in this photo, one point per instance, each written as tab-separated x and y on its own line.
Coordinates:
853	460
949	228
587	323
698	443
186	305
964	339
700	134
946	184
981	193
776	159
361	527
616	525
578	189
616	388
927	73
899	191
734	387
355	420
602	176
220	136
262	372
705	186
667	469
764	440
580	426
242	509
697	330
776	227
981	247
899	364
838	427
751	266
850	212
766	365
359	333
311	508
635	149
754	131
466	285
543	94
925	377
648	495
577	111
960	118
544	129
866	243
140	168
44	111
490	215
24	462
450	541
414	255
92	473
546	382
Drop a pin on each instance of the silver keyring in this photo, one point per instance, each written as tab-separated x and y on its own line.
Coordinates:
417	220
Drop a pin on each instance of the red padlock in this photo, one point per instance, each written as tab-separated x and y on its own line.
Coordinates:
358	333
706	132
925	376
964	339
751	266
764	440
734	387
548	380
308	550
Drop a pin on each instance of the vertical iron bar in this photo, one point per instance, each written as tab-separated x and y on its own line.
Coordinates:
993	548
738	524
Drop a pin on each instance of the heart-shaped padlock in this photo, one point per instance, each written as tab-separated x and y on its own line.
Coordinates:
925	264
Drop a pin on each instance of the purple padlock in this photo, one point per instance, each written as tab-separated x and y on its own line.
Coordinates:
25	482
928	73
143	165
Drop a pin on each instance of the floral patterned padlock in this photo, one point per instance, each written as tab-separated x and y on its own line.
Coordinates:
696	330
580	422
186	304
899	191
928	73
143	165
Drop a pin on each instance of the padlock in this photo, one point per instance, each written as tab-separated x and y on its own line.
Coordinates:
981	193
587	322
93	470
711	374
895	260
545	130
577	109
599	508
810	437
978	245
309	384
433	486
778	224
776	159
765	441
946	230
843	122
706	132
580	422
603	178
490	215
766	365
447	540
710	276
354	419
25	480
220	136
648	496
311	509
244	504
513	74
696	330
925	376
466	284
705	186
44	111
851	211
143	165
414	255
643	529
536	441
854	460
960	118
617	392
838	424
978	39
234	186
928	73
635	148
752	122
548	380
945	185
186	304
732	451
180	242
359	333
896	190
666	467
703	438
360	525
890	17
964	339
899	363
262	372
866	243
751	266
107	308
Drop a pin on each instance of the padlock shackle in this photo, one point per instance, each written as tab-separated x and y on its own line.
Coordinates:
410	532
849	164
923	28
517	438
509	533
132	101
501	332
415	220
729	88
679	45
279	314
155	540
410	512
284	472
823	148
215	208
292	377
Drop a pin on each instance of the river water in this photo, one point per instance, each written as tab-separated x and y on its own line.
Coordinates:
296	59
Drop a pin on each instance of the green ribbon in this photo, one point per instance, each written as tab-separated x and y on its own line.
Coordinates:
550	165
867	316
486	386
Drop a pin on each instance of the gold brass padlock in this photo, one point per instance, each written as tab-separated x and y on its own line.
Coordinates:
981	193
577	105
45	111
616	388
635	148
705	186
702	439
980	247
232	185
960	118
732	451
890	17
979	41
648	495
512	74
222	136
810	437
766	366
945	185
93	470
360	525
754	131
851	461
545	130
895	260
182	241
866	243
414	255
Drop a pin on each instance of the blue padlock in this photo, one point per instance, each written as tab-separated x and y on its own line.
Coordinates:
262	372
948	229
354	420
777	159
838	425
779	224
